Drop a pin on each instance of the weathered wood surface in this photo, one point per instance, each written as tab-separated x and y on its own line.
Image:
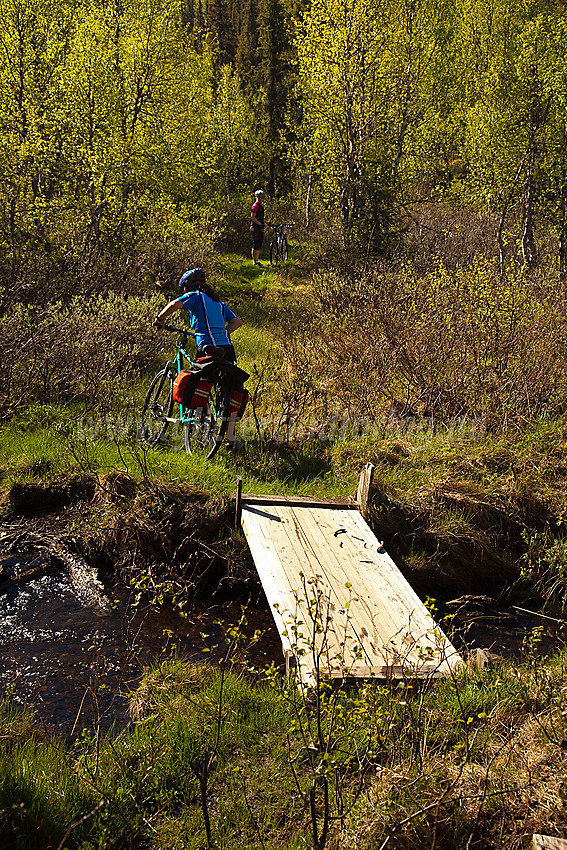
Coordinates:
547	842
339	601
364	487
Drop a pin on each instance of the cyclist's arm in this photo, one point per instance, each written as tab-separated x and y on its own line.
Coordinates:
234	324
167	311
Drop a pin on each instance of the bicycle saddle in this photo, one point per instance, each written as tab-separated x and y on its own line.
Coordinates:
213	351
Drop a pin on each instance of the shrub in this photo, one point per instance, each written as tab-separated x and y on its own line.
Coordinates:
82	352
448	344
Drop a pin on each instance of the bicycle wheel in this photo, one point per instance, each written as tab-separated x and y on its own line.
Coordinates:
273	253
157	409
284	250
205	427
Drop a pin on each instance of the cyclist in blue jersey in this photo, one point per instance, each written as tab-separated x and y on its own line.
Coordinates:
211	319
212	322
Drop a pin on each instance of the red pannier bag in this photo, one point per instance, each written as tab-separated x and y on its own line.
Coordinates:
180	385
200	395
190	390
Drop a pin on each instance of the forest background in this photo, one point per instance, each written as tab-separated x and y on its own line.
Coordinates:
130	127
420	146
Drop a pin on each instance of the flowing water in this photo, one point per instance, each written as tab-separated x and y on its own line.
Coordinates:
74	651
76	664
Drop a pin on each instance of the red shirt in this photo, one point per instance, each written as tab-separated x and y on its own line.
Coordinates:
258	211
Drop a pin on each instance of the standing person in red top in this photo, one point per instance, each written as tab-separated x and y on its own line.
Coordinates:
257	226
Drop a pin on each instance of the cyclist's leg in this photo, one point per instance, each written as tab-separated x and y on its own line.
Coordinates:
230	355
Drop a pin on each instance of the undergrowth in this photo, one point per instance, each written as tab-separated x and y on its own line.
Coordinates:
217	758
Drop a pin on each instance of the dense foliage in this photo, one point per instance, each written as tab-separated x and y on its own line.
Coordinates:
129	128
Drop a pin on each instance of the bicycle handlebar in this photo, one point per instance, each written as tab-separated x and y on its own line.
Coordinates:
172	328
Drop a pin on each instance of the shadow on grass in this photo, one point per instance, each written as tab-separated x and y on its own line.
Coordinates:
293	464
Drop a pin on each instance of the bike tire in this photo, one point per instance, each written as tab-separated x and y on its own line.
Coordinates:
206	426
273	253
284	250
157	408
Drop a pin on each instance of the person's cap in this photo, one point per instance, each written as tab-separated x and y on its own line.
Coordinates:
259	193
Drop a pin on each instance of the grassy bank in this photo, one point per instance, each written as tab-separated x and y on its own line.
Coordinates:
459	511
215	758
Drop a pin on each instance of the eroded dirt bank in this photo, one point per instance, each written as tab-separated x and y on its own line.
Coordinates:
100	577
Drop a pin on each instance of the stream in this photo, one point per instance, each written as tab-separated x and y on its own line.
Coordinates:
75	664
73	651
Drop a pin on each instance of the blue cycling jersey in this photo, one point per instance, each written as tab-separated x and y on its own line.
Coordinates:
208	318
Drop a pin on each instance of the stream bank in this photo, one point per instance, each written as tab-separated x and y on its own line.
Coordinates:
76	632
75	663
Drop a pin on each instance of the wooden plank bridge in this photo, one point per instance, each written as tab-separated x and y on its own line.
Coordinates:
340	604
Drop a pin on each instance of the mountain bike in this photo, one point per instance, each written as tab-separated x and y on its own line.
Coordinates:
278	245
204	426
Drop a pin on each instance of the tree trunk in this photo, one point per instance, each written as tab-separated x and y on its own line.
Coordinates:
529	251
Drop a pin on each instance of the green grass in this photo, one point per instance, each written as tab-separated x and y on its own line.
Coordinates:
32	454
447	741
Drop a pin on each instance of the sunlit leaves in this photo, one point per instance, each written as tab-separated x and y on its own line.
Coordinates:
369	74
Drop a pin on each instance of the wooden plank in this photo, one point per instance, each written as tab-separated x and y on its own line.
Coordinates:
288	591
252	499
295	561
306	547
318	567
340	573
332	641
364	486
386	571
363	573
275	590
548	842
238	506
346	569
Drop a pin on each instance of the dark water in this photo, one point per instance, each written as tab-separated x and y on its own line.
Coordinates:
76	667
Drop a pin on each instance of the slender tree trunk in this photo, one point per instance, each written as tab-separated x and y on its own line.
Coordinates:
308	200
504	213
563	232
529	251
563	212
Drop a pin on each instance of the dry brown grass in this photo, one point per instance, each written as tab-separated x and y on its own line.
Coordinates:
437	347
87	351
166	686
510	786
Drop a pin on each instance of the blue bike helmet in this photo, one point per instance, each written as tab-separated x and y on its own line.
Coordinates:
191	280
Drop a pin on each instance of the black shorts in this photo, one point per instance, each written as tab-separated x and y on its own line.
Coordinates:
257	237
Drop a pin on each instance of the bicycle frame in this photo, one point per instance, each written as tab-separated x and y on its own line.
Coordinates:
181	361
205	425
278	246
279	233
